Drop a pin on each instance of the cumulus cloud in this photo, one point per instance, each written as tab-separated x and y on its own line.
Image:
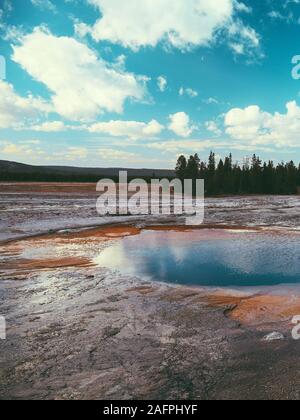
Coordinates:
49	126
189	92
243	40
83	85
212	127
131	129
180	124
162	83
181	24
16	111
257	127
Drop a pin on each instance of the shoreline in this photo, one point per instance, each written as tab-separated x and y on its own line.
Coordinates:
19	264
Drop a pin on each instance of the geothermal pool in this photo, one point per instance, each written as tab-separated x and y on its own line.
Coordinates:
216	258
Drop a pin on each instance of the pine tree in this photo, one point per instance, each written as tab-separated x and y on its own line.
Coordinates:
253	177
181	167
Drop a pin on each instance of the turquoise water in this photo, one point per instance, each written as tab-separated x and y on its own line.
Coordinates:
207	258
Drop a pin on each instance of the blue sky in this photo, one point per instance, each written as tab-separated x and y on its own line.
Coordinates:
114	83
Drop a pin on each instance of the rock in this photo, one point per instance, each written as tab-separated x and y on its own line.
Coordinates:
33	319
274	336
111	332
91	349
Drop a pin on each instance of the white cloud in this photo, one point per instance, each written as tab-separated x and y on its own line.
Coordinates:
19	151
179	147
242	7
212	127
44	5
243	39
181	24
189	92
183	147
131	129
83	85
112	155
253	126
11	149
181	125
31	142
286	15
162	83
15	110
6	8
211	101
48	127
69	154
74	153
275	14
237	48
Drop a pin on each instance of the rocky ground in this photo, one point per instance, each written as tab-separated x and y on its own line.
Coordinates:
78	331
27	209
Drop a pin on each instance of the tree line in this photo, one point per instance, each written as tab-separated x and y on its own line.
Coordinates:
252	177
41	176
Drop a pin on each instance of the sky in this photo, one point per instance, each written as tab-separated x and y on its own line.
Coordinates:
134	83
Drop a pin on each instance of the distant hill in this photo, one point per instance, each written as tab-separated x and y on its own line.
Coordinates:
19	172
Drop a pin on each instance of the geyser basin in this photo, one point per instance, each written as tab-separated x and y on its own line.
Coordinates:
217	258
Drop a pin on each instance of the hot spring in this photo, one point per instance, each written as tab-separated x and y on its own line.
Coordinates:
207	257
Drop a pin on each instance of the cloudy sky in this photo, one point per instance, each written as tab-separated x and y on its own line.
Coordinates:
136	83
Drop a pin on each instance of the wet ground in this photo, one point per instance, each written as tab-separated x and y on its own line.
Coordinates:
76	330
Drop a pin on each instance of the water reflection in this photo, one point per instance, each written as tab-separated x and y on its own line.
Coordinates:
207	258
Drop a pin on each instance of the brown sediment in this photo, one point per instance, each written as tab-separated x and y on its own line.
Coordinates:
168	228
207	231
121	230
42	264
47	187
103	232
186	228
218	300
26	266
115	231
256	309
179	294
10	250
266	308
142	290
